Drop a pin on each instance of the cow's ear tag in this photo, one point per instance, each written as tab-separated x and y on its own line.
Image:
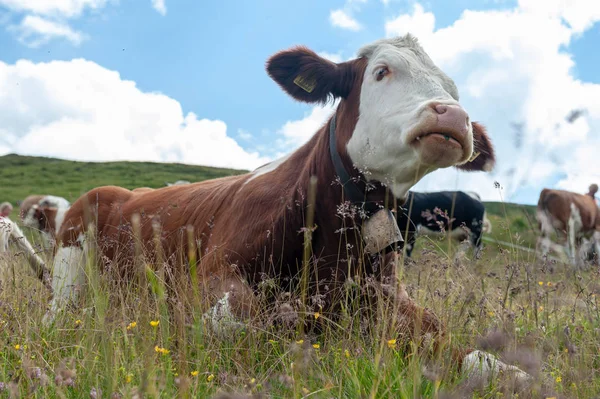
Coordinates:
308	85
474	156
380	231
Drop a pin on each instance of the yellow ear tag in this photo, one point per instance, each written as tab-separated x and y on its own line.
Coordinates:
474	156
307	85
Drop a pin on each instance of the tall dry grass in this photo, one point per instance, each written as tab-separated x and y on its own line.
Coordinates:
143	334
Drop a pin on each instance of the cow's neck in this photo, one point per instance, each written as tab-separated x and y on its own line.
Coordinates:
332	166
355	189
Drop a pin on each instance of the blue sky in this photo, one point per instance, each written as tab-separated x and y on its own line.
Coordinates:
185	81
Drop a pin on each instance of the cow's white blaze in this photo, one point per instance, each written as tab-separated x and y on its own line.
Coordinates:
393	108
29	220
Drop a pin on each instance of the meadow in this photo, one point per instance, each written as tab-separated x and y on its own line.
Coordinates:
135	342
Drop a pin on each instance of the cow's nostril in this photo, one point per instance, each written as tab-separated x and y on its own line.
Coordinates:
441	108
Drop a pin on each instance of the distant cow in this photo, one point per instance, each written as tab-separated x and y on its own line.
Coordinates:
44	213
460	214
572	216
398	118
10	232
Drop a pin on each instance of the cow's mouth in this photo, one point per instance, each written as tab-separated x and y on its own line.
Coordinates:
445	138
441	148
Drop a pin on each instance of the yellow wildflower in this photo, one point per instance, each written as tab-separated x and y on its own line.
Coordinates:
210	377
347	353
77	322
558	379
128	378
491	314
316	346
300	341
194	373
391	343
549	284
541	283
253	381
133	325
317	315
17	346
155	323
163	351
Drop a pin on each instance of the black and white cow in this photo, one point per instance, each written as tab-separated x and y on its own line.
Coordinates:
459	213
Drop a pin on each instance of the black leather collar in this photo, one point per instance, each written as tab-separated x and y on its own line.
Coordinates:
352	191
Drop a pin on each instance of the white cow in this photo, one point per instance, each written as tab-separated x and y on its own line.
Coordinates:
10	232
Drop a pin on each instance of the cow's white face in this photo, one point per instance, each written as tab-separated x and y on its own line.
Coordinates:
31	218
410	122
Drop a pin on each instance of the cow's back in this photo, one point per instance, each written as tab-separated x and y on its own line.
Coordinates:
27	203
557	205
457	205
170	209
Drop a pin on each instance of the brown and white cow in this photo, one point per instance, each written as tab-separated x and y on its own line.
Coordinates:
398	119
44	213
572	216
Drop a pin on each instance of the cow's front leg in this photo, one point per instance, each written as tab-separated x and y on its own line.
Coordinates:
421	324
412	322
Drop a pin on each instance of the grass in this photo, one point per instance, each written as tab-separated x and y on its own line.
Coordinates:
133	342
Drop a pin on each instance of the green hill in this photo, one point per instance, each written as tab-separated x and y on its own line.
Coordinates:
513	223
21	176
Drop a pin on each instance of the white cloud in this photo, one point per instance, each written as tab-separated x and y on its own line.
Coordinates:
507	71
44	20
342	19
579	14
159	5
82	111
334	57
61	8
419	23
244	135
35	31
300	131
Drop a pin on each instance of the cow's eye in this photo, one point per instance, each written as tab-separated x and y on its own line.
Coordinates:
381	72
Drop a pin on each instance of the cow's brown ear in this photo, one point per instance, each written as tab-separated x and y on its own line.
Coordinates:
308	77
484	158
